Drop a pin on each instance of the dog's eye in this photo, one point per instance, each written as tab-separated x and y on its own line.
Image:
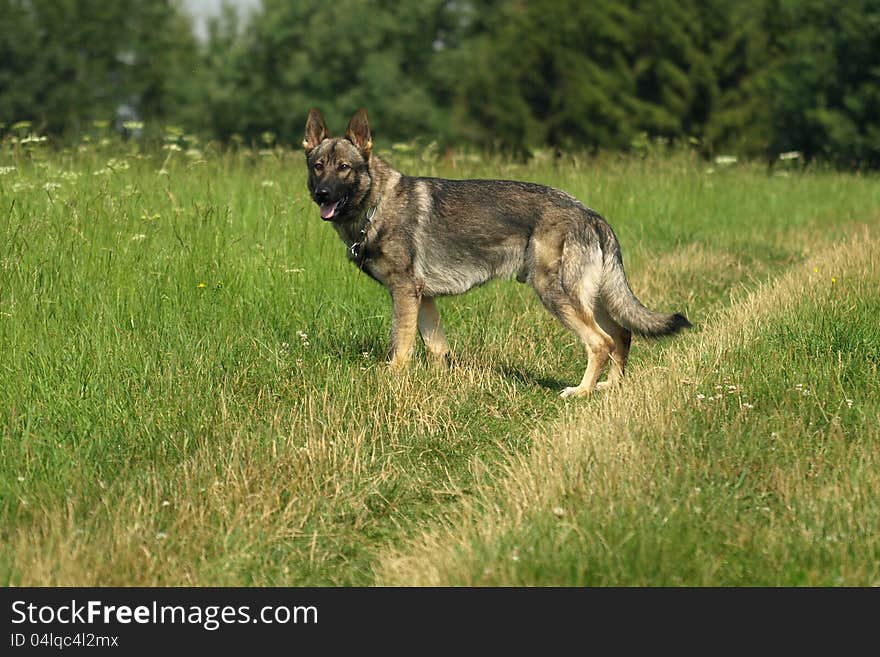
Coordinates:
344	167
318	167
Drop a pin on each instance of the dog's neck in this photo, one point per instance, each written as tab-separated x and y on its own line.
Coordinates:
383	177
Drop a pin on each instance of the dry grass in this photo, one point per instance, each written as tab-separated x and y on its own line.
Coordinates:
605	456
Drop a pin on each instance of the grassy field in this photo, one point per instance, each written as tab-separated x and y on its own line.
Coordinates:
193	392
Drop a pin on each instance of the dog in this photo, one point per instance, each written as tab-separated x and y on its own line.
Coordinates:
424	238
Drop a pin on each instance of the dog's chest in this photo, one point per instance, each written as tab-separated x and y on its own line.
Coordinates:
372	249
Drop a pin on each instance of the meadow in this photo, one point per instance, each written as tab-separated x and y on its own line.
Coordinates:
193	388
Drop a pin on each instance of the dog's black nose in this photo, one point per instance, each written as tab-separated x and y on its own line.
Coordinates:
322	194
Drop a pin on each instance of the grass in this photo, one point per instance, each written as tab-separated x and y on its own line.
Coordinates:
756	467
192	388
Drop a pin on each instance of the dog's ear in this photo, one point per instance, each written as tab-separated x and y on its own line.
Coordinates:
358	132
316	130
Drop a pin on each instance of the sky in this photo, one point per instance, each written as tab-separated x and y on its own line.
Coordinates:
203	9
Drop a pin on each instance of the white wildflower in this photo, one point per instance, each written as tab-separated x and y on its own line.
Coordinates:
114	164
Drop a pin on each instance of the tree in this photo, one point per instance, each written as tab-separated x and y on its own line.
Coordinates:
745	46
337	56
825	96
64	63
672	67
550	72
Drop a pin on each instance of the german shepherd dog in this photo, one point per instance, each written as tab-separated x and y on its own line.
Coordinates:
428	237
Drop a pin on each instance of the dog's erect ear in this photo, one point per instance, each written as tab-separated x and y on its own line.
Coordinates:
358	132
316	130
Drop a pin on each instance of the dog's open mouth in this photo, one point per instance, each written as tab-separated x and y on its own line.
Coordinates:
330	210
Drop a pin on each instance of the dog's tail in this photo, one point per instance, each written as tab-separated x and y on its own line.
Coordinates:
626	309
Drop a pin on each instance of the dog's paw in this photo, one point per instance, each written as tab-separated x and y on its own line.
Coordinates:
397	364
575	391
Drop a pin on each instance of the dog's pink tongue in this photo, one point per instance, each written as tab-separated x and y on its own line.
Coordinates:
328	210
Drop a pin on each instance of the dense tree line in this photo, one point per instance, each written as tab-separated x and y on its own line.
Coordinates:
758	77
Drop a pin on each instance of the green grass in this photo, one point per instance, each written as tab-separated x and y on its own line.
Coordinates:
763	471
192	387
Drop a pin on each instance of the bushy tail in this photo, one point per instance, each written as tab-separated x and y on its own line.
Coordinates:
628	311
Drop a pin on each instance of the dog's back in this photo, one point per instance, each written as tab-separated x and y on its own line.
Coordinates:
467	232
485	229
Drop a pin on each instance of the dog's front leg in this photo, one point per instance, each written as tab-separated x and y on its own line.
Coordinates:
405	311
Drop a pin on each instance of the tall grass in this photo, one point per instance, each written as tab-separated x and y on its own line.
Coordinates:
192	387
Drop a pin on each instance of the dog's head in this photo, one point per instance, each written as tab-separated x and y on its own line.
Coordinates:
339	178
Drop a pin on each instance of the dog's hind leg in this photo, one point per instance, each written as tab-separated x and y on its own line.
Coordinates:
599	346
622	338
432	332
566	274
405	310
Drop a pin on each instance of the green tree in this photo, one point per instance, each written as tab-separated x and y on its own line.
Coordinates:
64	63
550	72
744	42
339	56
825	96
675	81
595	74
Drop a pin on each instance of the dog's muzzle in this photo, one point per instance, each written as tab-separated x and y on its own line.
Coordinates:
329	209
